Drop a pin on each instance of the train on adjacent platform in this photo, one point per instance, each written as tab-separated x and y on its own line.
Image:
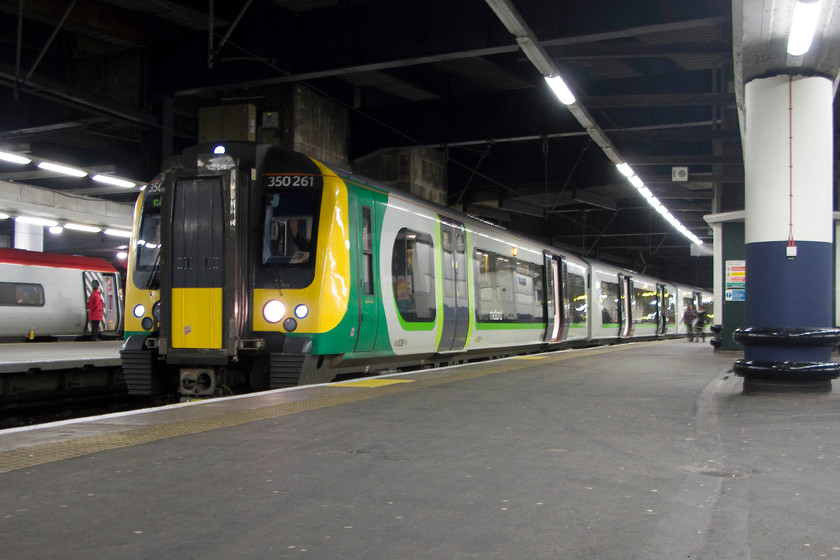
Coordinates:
258	266
45	295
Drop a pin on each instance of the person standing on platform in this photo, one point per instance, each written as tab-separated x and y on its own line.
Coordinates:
689	316
95	307
700	323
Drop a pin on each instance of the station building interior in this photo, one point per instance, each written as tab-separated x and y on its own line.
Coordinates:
447	100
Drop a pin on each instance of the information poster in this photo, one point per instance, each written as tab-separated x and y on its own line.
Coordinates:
736	278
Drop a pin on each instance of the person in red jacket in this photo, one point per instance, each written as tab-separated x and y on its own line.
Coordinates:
94	309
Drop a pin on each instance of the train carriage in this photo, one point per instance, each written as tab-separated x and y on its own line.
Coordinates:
45	295
259	266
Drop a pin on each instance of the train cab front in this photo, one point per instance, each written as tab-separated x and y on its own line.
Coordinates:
232	257
302	268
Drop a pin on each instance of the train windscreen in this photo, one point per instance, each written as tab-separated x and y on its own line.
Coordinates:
147	246
290	228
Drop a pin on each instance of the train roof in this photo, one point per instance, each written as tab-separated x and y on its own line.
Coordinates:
54	260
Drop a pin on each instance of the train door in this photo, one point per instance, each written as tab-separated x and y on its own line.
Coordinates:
553	299
454	276
625	305
110	291
368	307
663	304
197	264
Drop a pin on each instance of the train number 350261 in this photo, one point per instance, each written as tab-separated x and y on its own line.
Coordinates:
291	180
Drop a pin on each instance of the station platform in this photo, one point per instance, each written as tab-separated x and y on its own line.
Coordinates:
645	451
19	357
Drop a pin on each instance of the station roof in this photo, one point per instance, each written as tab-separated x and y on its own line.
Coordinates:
100	84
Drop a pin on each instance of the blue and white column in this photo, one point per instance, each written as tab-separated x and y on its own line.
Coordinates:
788	158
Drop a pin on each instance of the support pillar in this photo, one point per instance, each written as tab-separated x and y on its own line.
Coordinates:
788	157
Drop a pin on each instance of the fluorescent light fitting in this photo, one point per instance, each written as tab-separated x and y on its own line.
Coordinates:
636	182
82	227
122	255
645	192
4	216
625	169
14	158
36	221
117	232
560	89
805	17
653	201
63	169
114	181
56	230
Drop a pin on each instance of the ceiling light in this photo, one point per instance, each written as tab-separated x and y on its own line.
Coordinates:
122	255
117	232
805	16
625	169
36	221
560	89
636	182
645	192
82	227
114	181
4	216
14	158
653	201
56	230
63	169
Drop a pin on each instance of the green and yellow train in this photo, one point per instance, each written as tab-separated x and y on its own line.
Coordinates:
256	266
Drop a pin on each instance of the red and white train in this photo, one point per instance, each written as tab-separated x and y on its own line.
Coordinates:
45	295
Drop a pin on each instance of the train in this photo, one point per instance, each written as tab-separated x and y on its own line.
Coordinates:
257	266
44	295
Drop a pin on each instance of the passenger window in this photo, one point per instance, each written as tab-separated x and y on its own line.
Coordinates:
508	290
609	303
413	276
29	295
577	293
644	306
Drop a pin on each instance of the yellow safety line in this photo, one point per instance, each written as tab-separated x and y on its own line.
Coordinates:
374	382
57	451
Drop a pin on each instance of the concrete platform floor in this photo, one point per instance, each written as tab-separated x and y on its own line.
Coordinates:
642	451
18	357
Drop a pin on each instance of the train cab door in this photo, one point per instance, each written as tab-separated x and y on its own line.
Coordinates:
625	305
110	291
453	268
197	264
553	299
368	281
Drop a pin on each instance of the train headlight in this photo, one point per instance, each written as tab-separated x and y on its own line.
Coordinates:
156	311
273	311
147	323
301	311
290	324
139	310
